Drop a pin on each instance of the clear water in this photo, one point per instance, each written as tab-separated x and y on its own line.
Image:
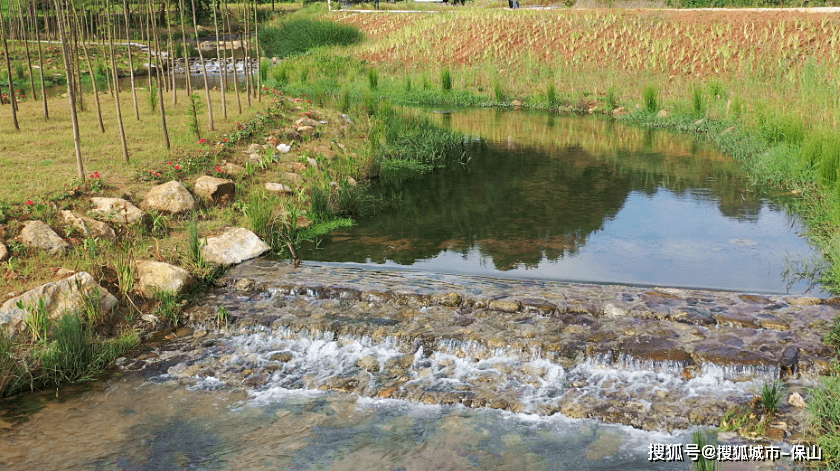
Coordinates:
581	200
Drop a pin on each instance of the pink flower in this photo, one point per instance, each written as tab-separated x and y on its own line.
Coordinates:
29	202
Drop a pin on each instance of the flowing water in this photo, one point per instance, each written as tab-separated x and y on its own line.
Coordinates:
441	333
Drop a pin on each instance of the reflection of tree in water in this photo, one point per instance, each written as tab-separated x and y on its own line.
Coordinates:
519	206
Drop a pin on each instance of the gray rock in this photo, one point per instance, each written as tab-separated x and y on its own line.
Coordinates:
312	162
115	210
291	177
796	400
217	190
234	246
158	276
89	227
4	252
169	197
278	188
308	122
60	297
253	149
369	363
39	235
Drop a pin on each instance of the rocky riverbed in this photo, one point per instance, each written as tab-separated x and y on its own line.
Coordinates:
652	358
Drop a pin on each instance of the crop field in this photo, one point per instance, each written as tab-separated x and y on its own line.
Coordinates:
794	54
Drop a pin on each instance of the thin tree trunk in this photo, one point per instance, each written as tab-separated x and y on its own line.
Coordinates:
115	77
130	62
28	55
149	41
247	64
80	93
12	98
68	66
171	56
186	49
159	76
40	62
235	78
257	47
203	69
90	69
222	62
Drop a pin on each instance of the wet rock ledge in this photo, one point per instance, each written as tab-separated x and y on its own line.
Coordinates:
653	358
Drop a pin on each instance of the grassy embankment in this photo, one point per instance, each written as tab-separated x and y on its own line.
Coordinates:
40	164
762	86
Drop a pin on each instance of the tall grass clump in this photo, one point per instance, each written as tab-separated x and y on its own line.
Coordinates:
697	102
297	37
280	73
265	66
824	408
194	242
345	100
497	91
823	151
551	94
703	439
650	96
13	372
446	80
612	99
373	78
776	128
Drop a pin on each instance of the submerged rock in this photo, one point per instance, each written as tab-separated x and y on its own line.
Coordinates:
39	235
234	246
59	297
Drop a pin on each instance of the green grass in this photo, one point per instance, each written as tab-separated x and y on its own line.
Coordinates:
702	439
651	99
771	394
298	36
824	409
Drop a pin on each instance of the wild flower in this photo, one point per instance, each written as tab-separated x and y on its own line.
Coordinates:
202	141
177	167
29	202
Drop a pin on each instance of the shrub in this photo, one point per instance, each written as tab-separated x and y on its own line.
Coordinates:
446	80
697	102
612	99
651	99
373	78
551	94
497	91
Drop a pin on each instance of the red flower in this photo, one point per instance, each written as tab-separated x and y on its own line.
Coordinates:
202	141
168	163
224	140
29	202
92	176
309	101
157	174
177	167
303	96
218	169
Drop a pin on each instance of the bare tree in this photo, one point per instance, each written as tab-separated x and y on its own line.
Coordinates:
71	92
226	17
90	69
259	62
28	56
222	62
246	44
159	76
9	72
186	49
115	76
171	56
40	61
203	69
130	62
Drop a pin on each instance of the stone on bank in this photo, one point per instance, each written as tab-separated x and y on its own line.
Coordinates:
60	297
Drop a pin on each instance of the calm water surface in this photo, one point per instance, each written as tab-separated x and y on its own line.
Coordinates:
582	200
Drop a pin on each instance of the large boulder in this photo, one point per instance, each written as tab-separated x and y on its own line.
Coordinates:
60	297
89	227
115	210
169	197
154	277
234	246
217	190
39	235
